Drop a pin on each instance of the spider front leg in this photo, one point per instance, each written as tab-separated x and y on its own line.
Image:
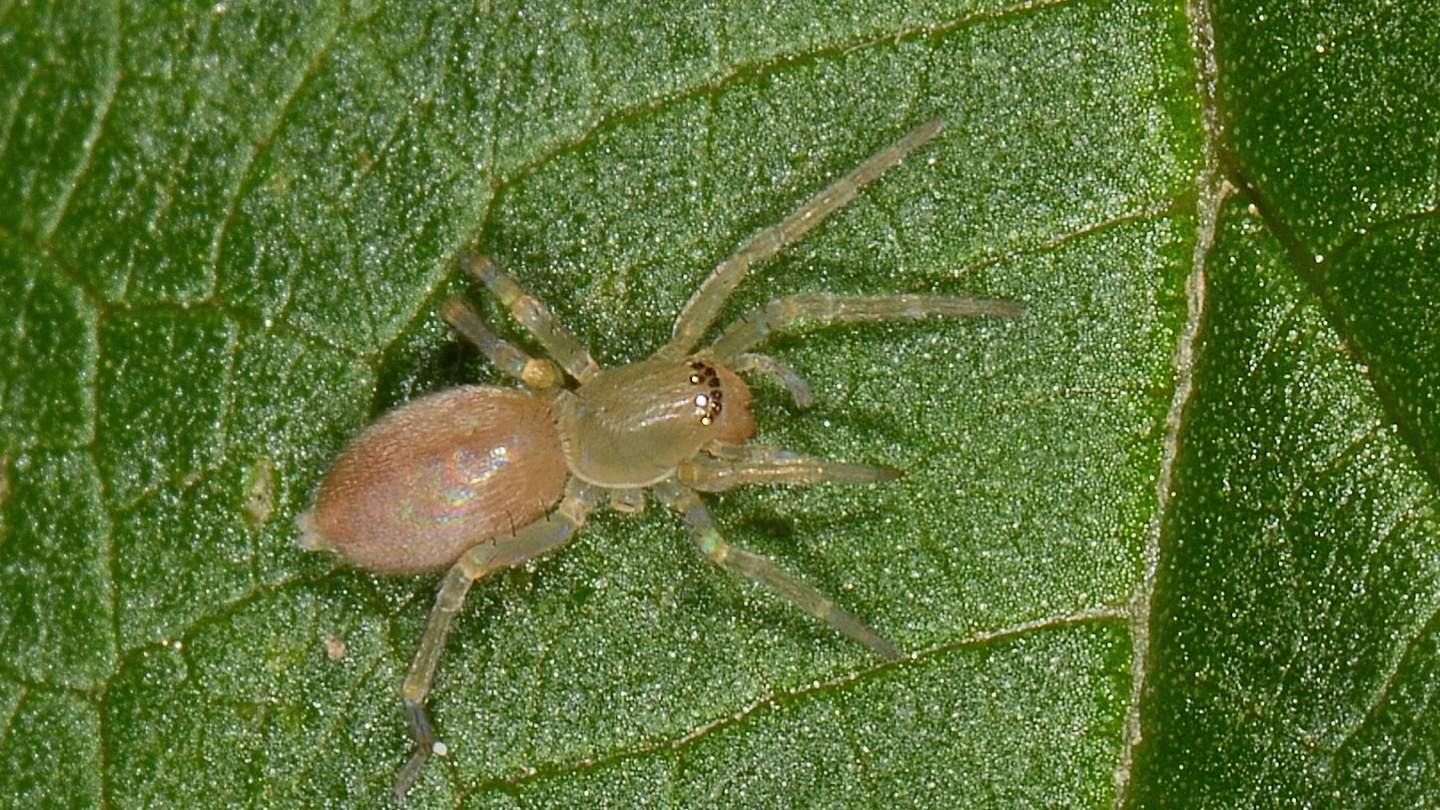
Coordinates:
779	314
788	378
532	314
532	540
731	466
703	307
536	373
755	567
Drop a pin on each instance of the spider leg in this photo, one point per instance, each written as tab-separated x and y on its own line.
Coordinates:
737	465
793	383
529	541
532	314
537	373
703	307
780	313
755	567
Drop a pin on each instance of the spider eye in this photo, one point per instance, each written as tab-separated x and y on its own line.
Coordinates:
707	405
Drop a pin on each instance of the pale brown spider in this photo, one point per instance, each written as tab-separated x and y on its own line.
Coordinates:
478	478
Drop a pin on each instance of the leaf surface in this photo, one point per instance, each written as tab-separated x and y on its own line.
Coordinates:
225	230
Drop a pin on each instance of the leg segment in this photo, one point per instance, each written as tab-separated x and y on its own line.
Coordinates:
737	465
755	567
530	541
536	373
765	364
829	308
532	314
700	312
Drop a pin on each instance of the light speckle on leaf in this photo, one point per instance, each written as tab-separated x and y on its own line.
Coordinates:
259	492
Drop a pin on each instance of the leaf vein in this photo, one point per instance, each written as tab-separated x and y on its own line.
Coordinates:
758	70
1312	55
1306	268
1426	629
1093	615
14	111
261	147
9	673
321	746
1212	190
11	715
97	126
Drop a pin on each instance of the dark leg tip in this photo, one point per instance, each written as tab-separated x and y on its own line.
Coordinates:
886	650
424	735
408	774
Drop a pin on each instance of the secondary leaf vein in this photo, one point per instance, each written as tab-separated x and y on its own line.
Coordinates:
1101	614
97	125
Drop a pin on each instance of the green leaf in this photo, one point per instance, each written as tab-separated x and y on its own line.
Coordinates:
1297	606
225	230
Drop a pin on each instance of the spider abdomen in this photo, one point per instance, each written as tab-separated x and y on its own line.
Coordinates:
436	476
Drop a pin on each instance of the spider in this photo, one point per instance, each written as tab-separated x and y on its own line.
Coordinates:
477	478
